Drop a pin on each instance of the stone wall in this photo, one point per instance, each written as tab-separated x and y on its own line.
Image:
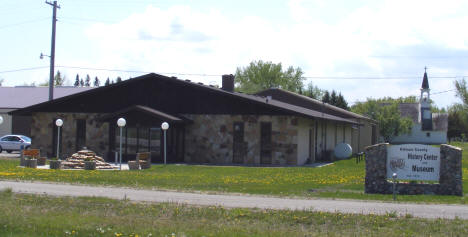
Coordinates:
210	138
450	181
97	133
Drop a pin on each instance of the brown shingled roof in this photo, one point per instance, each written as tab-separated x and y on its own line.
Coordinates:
410	110
310	103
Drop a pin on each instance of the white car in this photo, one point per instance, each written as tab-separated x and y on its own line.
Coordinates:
11	143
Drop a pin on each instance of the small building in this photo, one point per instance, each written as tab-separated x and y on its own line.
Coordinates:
207	124
18	97
329	133
428	127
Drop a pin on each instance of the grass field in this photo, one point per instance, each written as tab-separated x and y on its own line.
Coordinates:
33	215
343	179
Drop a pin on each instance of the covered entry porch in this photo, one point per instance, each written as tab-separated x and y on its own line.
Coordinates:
143	133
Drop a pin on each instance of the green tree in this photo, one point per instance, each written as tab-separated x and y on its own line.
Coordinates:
97	83
107	82
333	98
119	79
1	81
341	102
59	80
313	91
387	115
82	82
462	92
88	81
407	99
458	113
326	97
457	122
260	75
77	81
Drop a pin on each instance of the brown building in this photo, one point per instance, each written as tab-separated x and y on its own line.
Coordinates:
329	133
207	124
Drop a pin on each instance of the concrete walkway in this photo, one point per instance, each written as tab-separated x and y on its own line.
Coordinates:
243	201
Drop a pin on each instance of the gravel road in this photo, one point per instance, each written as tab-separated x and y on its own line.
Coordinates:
243	201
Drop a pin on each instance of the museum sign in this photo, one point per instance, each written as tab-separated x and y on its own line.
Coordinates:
413	162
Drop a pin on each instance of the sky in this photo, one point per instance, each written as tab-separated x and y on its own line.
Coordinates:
363	49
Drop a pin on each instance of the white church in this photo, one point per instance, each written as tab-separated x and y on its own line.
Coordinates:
428	127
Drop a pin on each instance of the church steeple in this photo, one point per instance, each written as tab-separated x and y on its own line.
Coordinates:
425	104
425	83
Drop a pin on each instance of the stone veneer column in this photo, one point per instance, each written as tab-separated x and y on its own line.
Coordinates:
450	170
376	169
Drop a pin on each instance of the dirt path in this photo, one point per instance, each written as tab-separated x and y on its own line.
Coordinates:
244	201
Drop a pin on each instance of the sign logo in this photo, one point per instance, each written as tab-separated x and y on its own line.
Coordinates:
396	163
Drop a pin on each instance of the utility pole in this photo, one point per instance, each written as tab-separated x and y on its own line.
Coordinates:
52	49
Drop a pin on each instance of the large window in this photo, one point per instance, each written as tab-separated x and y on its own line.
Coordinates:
155	140
143	139
132	140
138	139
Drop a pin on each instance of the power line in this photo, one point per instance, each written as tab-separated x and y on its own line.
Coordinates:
88	19
218	75
136	71
435	93
24	22
374	78
441	92
24	69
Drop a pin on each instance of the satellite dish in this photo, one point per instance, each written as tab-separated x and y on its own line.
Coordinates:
343	151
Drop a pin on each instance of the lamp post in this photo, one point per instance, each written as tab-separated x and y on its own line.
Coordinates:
394	176
164	127
59	124
121	123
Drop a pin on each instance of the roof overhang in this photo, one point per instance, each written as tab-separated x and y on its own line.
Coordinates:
144	112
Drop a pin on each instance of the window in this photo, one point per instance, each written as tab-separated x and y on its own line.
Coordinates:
143	139
80	140
428	134
155	140
15	139
132	140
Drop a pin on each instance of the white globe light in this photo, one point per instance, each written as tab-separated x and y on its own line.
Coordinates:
121	122
59	122
165	126
1	119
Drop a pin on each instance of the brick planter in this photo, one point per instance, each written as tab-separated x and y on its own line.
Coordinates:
41	161
133	165
145	164
31	163
90	165
55	164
